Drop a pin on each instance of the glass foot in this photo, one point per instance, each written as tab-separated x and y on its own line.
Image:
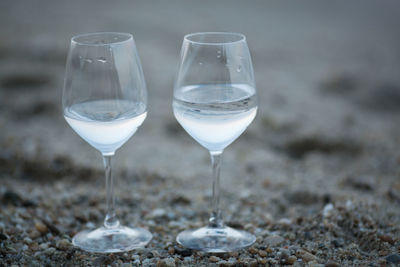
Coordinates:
217	240
107	240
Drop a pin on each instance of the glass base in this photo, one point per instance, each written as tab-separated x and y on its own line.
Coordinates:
217	240
107	240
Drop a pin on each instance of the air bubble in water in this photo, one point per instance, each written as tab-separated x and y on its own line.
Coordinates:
239	69
88	60
200	63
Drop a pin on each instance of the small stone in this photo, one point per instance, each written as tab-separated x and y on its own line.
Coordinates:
262	260
43	246
387	238
291	259
253	263
332	263
327	211
262	253
34	246
214	259
41	227
126	265
253	250
306	256
168	262
285	221
52	227
157	213
49	251
63	244
269	250
171	251
34	234
274	240
100	261
234	254
155	253
393	258
298	264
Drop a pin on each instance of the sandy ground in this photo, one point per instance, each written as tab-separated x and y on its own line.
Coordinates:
327	131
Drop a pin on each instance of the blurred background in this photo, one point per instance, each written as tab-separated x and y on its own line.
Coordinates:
327	77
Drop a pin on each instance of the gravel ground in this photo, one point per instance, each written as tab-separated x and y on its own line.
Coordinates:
316	177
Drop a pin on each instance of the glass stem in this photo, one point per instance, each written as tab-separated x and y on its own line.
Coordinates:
111	220
216	216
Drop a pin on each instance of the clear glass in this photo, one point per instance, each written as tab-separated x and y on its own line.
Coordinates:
105	101
214	101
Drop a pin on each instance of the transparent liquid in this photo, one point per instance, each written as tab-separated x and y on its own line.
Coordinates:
215	115
106	124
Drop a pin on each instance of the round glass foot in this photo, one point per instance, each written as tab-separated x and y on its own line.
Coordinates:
217	240
107	240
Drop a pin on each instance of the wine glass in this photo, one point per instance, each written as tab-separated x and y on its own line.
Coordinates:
215	101
104	101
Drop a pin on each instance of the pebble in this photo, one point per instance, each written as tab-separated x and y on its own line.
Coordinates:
171	250
306	256
234	254
285	221
148	262
126	265
253	250
332	263
63	244
187	259
291	259
328	210
43	246
214	259
262	253
168	262
41	227
253	263
49	251
27	240
157	213
102	260
393	258
274	240
387	238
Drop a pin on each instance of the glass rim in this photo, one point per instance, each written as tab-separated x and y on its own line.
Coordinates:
241	38
128	36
